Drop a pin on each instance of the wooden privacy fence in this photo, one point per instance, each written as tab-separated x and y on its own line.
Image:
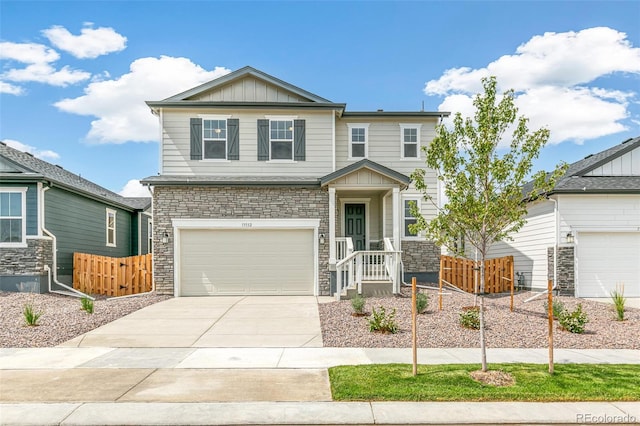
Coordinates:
460	273
112	276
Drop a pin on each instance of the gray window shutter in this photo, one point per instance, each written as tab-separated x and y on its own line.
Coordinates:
299	142
263	140
196	139
233	139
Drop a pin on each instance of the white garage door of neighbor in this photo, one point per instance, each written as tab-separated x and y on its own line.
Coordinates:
607	259
243	262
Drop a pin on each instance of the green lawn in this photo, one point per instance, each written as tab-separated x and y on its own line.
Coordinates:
451	382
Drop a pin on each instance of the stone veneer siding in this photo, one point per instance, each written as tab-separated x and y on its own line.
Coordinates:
26	262
420	256
211	202
566	270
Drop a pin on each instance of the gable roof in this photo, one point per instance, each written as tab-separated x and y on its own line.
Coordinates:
365	164
576	180
30	168
242	73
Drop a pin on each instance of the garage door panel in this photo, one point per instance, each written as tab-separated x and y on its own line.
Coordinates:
256	261
606	259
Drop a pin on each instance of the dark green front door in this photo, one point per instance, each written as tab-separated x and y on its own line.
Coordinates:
355	227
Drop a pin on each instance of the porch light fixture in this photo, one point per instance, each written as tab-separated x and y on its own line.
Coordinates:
165	238
321	238
569	237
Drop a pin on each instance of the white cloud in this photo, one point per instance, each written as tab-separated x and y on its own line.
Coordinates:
38	153
91	43
553	76
134	188
119	104
38	60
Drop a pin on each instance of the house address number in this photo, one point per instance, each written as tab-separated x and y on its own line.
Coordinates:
247	224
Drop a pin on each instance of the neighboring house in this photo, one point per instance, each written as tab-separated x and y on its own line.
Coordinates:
265	188
588	225
46	210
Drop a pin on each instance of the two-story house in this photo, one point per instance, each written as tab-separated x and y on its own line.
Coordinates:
265	188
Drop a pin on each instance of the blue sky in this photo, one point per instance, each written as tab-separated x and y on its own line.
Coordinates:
75	75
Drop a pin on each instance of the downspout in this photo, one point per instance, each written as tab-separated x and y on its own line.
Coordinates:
54	249
555	251
333	141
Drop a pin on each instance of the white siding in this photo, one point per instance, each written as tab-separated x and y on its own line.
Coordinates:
249	89
529	245
598	213
625	165
176	144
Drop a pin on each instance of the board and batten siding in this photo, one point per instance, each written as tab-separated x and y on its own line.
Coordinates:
627	164
248	89
529	245
176	145
79	225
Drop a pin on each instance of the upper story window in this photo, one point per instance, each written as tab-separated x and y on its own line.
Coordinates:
214	139
111	228
408	218
13	217
358	140
410	140
281	139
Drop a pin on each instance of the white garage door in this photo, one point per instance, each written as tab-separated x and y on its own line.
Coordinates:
243	262
607	259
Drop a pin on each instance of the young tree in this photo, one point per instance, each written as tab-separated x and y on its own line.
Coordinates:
485	199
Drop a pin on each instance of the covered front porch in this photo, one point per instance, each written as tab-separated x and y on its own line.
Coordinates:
365	229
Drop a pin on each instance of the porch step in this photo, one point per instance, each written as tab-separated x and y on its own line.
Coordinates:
371	289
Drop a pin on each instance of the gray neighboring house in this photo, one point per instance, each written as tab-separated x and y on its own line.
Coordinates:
48	213
588	225
267	189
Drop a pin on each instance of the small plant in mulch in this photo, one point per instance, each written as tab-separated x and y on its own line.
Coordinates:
357	303
617	296
87	305
422	300
383	322
31	316
574	321
493	378
470	317
556	308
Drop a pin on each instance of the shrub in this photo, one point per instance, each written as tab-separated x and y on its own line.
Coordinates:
470	318
357	303
31	317
575	321
383	322
618	301
556	307
87	305
422	300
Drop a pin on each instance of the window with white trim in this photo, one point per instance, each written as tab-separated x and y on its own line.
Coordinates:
111	228
281	139
358	138
410	140
13	217
214	139
150	237
408	218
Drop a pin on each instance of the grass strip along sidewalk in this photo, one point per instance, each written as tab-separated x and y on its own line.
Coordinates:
453	382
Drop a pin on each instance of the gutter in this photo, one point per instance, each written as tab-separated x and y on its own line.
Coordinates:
54	248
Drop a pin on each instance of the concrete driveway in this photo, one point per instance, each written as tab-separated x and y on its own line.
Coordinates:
213	322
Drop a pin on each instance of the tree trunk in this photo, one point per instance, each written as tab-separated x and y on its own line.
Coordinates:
483	348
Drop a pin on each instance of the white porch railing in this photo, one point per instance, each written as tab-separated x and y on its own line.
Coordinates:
369	265
344	247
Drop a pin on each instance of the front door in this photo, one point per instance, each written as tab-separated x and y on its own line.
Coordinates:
355	226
